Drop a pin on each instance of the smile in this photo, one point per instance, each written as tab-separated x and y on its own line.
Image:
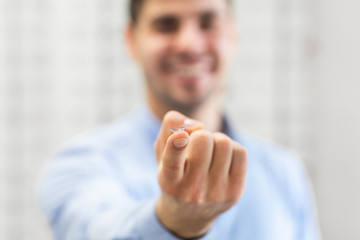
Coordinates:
190	71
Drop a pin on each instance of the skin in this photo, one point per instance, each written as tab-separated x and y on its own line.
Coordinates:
188	35
184	47
199	180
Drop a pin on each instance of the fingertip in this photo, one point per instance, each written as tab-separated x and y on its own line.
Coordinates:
173	117
188	122
192	125
179	139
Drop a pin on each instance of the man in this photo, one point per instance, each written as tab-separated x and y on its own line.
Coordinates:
113	184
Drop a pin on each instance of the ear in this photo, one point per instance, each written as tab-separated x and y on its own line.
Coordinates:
131	40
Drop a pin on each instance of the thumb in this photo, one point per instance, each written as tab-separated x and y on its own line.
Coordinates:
171	120
173	159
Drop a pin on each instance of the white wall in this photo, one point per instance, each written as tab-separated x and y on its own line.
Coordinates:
337	94
295	79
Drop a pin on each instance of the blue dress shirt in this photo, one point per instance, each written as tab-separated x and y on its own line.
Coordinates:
103	185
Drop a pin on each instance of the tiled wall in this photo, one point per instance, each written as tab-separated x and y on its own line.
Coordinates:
64	69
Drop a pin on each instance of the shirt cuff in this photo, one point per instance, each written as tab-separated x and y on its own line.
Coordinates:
150	228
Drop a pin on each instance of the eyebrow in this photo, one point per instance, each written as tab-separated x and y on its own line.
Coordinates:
165	17
208	13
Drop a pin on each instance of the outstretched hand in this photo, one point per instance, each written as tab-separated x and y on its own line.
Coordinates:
201	174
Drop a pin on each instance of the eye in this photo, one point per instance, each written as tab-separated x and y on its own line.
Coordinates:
166	24
207	21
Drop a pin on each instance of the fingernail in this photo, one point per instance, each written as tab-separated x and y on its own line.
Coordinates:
180	142
190	123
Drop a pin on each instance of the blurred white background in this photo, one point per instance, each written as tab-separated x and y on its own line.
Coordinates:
64	69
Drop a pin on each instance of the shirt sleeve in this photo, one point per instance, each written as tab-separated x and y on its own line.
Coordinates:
82	198
299	195
308	219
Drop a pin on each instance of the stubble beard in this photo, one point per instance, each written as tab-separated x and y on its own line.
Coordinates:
165	98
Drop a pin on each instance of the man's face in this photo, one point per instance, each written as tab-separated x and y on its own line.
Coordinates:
183	47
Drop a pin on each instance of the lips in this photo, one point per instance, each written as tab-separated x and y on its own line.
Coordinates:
192	71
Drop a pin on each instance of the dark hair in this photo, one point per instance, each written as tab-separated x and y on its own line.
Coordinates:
135	7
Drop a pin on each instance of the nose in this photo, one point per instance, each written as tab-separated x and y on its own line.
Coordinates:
190	40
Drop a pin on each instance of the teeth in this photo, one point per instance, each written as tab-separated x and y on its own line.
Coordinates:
189	71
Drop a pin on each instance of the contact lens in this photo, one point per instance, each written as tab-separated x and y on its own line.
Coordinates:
180	129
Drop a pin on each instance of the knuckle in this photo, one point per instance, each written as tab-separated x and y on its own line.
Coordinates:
220	135
170	172
172	168
195	198
234	195
216	196
202	136
195	192
222	141
239	149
